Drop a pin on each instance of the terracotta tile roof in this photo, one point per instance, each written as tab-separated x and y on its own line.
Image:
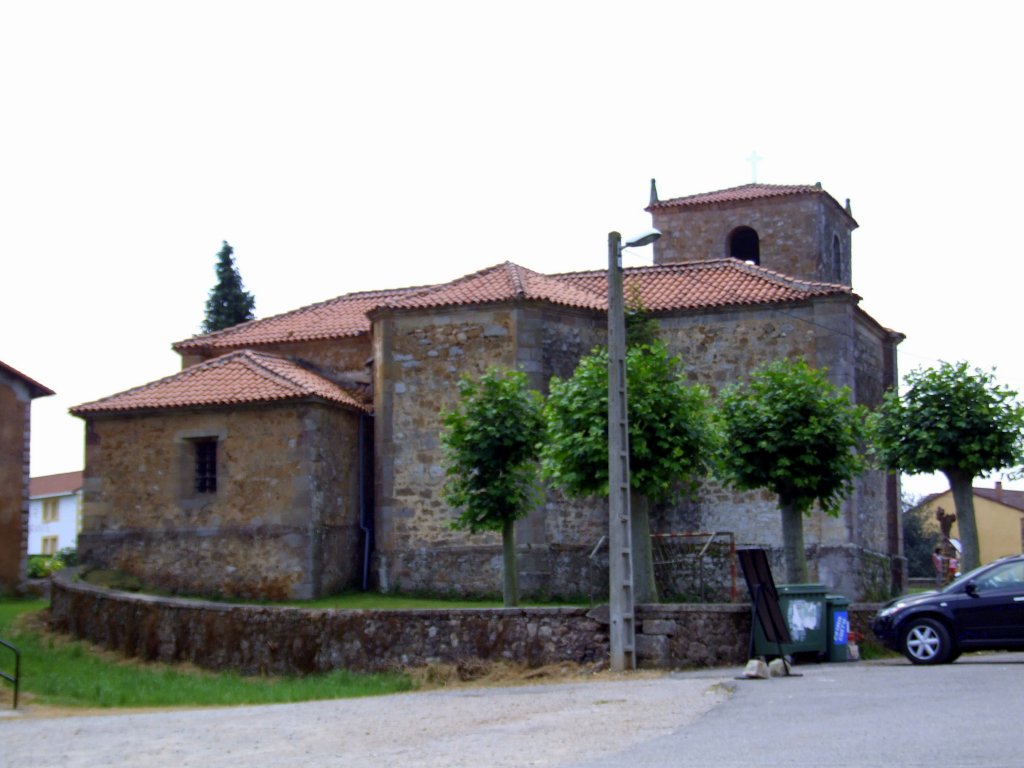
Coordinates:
709	284
500	283
233	379
55	485
34	387
333	319
695	285
743	193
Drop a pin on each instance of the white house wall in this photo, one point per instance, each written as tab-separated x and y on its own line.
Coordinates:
65	527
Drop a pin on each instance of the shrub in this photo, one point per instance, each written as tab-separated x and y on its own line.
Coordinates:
44	566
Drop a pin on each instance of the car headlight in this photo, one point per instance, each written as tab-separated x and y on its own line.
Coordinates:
890	610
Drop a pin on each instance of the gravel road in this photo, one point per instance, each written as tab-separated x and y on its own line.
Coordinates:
537	725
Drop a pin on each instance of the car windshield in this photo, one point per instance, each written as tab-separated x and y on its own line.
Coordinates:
1002	573
963	578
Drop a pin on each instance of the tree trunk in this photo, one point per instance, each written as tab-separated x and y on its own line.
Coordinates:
510	580
645	590
963	499
793	543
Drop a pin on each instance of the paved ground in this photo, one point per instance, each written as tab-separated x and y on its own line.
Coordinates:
858	714
890	713
545	725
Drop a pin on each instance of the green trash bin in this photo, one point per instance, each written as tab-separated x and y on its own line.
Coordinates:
839	627
803	607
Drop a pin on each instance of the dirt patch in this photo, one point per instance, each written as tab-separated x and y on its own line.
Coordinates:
478	673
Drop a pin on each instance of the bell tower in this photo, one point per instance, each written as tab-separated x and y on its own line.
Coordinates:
798	230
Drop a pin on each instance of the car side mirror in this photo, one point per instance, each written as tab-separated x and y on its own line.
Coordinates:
971	589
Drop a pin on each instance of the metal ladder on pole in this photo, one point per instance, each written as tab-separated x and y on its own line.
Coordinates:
620	547
620	541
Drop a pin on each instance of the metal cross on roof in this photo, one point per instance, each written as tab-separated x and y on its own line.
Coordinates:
754	157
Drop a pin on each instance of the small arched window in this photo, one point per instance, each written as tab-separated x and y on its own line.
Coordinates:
745	245
840	268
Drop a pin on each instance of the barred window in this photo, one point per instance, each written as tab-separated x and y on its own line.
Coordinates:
205	465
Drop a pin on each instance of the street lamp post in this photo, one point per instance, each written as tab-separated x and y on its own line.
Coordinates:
622	633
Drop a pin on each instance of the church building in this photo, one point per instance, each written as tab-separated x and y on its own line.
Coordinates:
297	455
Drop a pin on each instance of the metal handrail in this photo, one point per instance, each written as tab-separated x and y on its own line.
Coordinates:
17	669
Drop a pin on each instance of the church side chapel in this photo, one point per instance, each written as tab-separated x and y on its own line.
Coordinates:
297	455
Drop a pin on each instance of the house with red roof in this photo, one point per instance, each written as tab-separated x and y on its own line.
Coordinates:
296	455
54	512
17	391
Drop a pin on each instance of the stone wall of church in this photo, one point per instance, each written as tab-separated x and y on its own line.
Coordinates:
877	525
283	522
342	360
796	235
419	358
551	341
718	349
555	541
337	359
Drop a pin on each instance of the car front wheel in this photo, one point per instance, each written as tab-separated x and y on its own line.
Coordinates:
926	641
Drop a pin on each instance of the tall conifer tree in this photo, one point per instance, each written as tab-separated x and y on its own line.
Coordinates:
229	303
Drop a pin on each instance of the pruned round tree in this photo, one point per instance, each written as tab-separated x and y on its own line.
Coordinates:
228	303
490	445
671	439
956	421
789	430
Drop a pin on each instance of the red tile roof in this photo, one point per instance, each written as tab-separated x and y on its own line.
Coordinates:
709	284
247	376
743	193
333	319
233	379
695	285
55	485
500	283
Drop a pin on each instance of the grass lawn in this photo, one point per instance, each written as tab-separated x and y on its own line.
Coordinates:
60	672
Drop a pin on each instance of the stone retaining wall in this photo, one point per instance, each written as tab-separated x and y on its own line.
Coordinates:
256	639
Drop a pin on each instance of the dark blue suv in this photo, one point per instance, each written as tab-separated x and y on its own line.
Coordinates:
981	611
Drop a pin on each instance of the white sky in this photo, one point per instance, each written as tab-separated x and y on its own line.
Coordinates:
342	146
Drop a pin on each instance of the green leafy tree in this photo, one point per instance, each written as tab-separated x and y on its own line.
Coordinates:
958	422
671	439
641	328
789	430
490	442
229	303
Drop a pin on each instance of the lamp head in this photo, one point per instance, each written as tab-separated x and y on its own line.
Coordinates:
644	238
